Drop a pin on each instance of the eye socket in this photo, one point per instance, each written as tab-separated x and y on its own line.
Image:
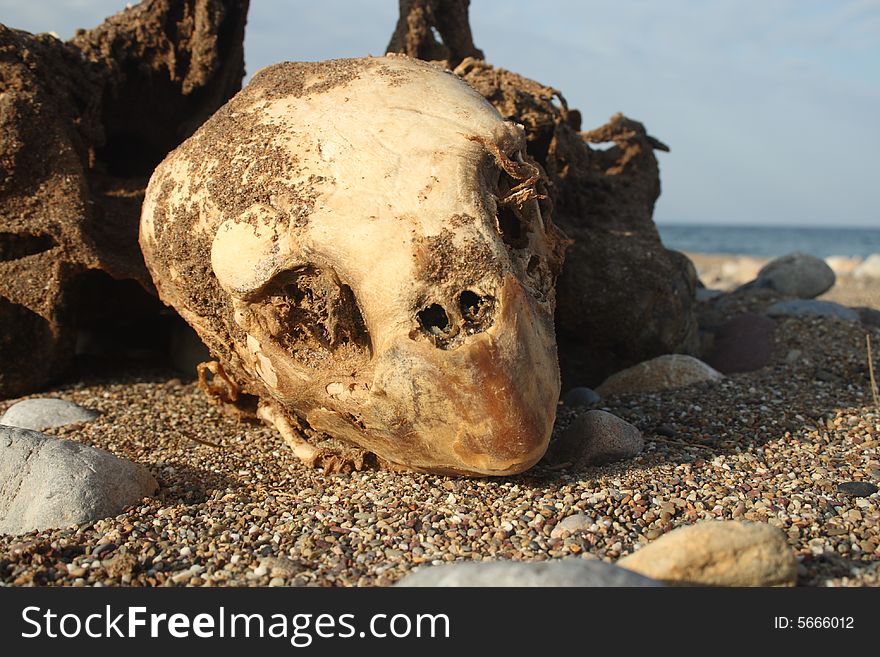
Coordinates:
509	219
510	227
314	316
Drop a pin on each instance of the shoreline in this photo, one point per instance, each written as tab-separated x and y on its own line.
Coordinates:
726	272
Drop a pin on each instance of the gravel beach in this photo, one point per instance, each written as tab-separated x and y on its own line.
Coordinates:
235	508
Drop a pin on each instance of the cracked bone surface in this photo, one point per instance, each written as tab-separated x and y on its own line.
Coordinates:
366	247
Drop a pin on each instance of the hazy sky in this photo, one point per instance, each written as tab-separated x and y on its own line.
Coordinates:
770	107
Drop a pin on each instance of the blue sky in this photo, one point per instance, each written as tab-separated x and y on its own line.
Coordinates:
770	107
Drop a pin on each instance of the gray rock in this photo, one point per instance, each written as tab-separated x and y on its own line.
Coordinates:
46	413
662	373
46	482
598	437
797	275
812	308
580	396
707	294
857	488
562	572
577	522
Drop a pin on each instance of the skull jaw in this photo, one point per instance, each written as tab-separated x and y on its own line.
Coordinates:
463	463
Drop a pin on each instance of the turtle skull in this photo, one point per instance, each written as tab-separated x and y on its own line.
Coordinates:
364	245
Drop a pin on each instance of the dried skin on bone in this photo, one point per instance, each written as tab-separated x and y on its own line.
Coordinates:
365	246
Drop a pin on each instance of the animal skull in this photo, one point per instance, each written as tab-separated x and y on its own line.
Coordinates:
365	246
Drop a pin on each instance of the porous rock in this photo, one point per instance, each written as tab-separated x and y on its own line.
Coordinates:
666	372
563	572
107	105
46	413
46	482
598	437
434	30
718	553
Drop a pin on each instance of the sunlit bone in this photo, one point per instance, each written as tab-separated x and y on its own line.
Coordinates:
364	246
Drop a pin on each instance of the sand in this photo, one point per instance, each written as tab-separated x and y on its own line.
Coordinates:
236	508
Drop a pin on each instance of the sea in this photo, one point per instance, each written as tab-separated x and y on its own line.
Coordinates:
771	241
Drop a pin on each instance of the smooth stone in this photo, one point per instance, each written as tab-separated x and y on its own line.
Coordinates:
580	397
743	344
561	572
857	488
574	523
662	373
798	275
812	308
598	437
718	553
46	413
870	267
48	482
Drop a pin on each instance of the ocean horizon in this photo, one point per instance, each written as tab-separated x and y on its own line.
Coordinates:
771	241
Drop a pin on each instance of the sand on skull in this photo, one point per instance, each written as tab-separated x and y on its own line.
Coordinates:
311	232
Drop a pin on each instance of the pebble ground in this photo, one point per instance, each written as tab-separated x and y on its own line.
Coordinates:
237	509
